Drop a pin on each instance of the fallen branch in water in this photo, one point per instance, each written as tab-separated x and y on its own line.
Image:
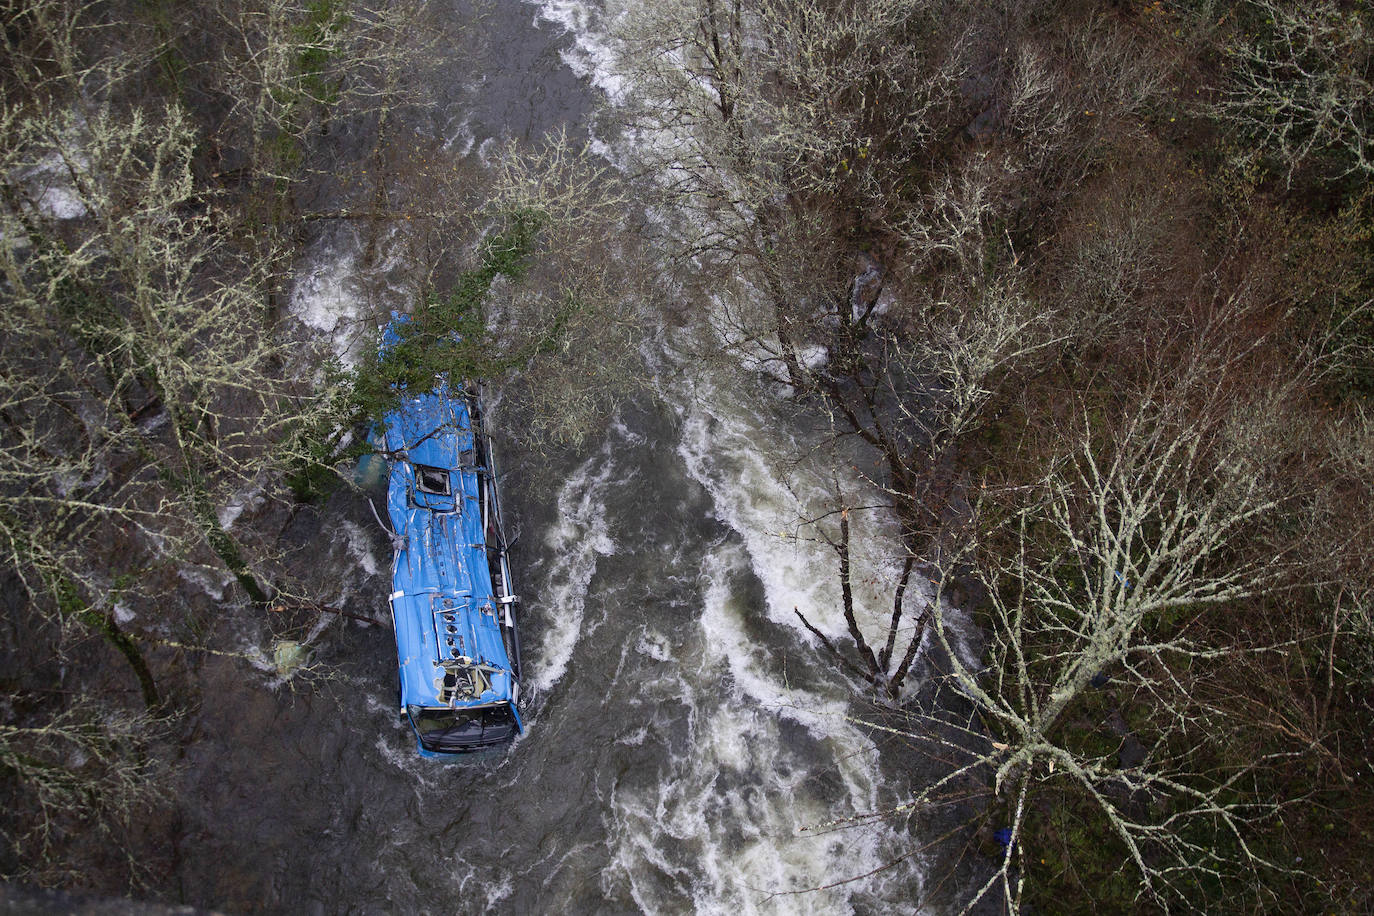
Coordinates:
323	608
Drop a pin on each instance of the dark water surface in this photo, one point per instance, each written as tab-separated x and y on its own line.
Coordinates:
682	736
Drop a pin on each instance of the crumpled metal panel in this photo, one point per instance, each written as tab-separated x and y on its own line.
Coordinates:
442	596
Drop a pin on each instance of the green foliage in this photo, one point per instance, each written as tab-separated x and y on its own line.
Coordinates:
447	336
313	40
312	443
170	63
72	606
1074	863
448	333
284	149
312	478
325	21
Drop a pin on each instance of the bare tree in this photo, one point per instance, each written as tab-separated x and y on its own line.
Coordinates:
144	388
140	384
286	68
916	291
539	292
579	320
1300	85
1092	577
88	767
916	403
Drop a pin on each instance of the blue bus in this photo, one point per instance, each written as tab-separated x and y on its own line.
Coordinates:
452	601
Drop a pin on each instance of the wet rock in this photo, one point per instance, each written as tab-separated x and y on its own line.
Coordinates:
866	287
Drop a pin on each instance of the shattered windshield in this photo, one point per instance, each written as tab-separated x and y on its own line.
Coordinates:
443	729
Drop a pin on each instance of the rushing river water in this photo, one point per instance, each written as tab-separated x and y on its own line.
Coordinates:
684	737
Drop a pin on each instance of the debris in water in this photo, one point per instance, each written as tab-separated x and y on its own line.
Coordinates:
288	656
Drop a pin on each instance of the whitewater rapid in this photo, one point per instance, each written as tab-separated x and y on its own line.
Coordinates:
689	749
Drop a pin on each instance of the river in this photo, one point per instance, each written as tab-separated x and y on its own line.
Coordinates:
686	744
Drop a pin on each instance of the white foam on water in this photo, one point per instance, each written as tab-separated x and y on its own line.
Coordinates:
210	581
324	298
401	755
729	449
727	825
655	646
460	140
360	547
591	56
228	514
487	149
61	203
724	626
732	449
250	497
634	738
726	829
338	296
577	540
67	481
499	890
48	183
